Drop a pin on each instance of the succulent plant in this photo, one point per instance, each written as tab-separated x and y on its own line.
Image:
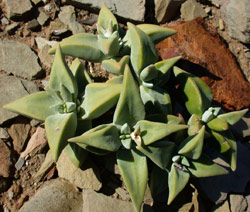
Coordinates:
148	125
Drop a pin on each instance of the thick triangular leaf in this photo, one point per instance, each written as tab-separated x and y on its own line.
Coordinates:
59	128
134	171
154	131
149	73
156	100
130	108
233	117
61	74
160	152
205	167
197	95
99	98
116	66
104	137
81	45
109	45
106	21
37	105
194	124
231	155
81	75
143	52
76	154
116	80
218	124
206	92
155	32
164	68
192	146
177	180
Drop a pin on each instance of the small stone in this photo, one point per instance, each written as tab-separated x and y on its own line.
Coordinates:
215	3
4	134
60	32
208	10
48	8
57	28
191	9
68	17
5	21
247	54
236	14
41	42
45	84
123	194
45	57
100	203
42	18
238	203
34	123
165	10
90	20
33	25
129	9
6	160
17	11
12	28
19	132
55	195
21	62
221	25
84	177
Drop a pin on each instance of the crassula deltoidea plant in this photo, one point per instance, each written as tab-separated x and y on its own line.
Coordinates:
162	115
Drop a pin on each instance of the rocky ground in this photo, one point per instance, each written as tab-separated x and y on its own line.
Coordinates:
215	47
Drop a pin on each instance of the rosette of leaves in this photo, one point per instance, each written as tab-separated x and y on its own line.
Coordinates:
133	138
59	107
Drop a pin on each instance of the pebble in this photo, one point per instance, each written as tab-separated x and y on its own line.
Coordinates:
216	4
247	54
5	21
208	10
221	25
42	18
4	134
48	8
12	28
33	25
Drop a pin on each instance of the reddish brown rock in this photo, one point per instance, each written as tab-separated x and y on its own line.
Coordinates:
19	132
199	43
5	158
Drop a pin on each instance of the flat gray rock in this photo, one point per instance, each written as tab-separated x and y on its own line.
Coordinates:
18	59
165	10
192	9
84	177
129	9
68	17
236	15
100	203
56	195
97	202
11	89
234	182
17	9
